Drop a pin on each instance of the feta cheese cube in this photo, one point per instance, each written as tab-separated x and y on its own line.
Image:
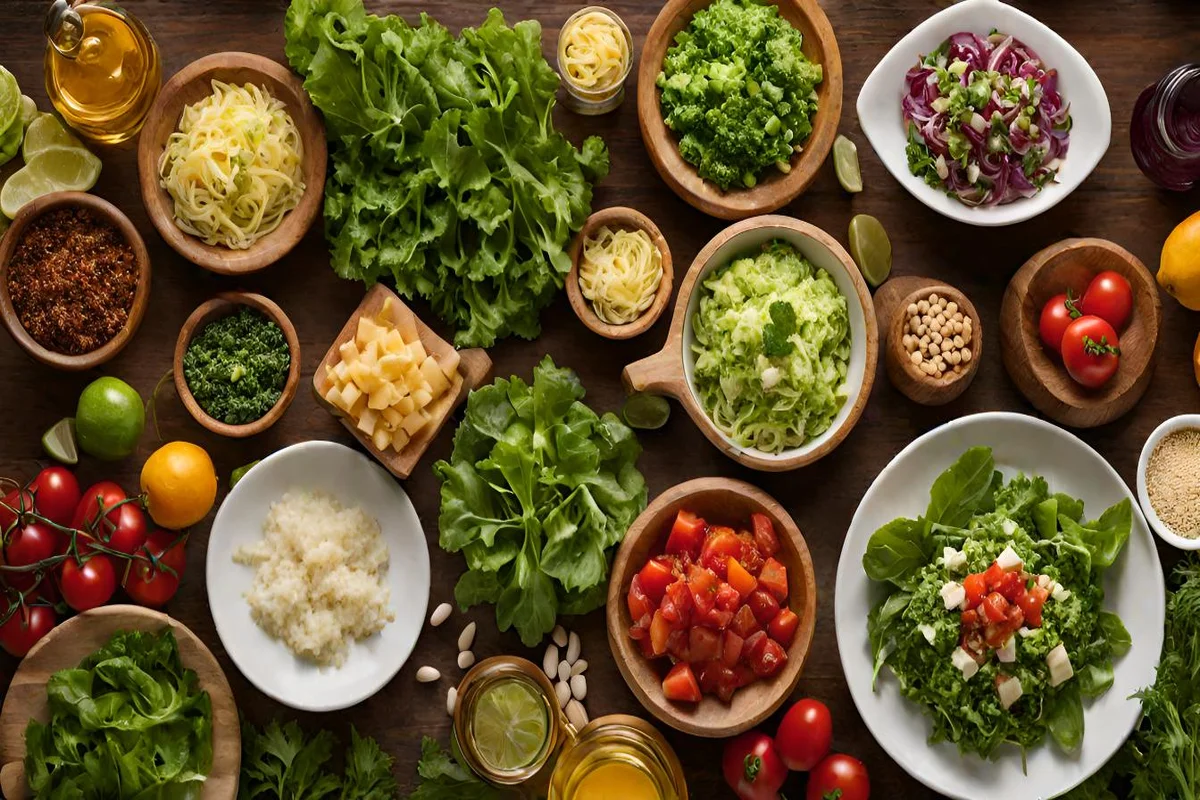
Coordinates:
1025	633
1044	581
928	632
1009	691
1008	560
1059	593
953	594
954	560
1008	653
1009	527
1060	665
963	662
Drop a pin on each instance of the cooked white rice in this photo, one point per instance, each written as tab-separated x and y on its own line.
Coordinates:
319	576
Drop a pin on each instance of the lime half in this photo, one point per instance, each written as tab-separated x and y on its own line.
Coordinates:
59	441
509	725
845	164
871	248
44	132
647	412
240	473
55	169
10	99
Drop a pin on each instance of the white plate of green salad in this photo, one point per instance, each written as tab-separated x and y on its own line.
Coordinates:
999	599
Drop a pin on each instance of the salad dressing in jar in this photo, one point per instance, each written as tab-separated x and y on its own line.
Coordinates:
509	731
1164	133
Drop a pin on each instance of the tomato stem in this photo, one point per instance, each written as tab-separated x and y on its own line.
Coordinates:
1101	348
752	765
1072	310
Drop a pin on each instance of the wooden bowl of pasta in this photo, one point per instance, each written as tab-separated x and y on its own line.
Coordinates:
602	233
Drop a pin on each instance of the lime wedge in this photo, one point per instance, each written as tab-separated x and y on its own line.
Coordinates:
240	473
44	132
29	110
21	187
10	99
509	725
55	169
646	412
871	248
59	441
845	164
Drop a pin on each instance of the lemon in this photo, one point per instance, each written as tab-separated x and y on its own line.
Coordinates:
180	485
54	169
845	164
44	132
1179	266
510	728
109	419
871	248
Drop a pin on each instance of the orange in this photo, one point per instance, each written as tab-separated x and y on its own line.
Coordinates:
1179	267
1196	359
180	484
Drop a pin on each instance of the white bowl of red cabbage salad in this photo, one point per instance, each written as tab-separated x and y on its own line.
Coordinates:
999	120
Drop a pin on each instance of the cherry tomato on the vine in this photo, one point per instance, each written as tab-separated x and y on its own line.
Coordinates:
1110	297
14	503
126	535
151	585
56	494
104	493
840	776
1057	315
752	767
1090	351
27	545
25	627
88	584
804	735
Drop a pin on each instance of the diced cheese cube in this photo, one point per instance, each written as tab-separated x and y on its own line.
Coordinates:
370	353
399	439
1026	632
1009	691
360	405
953	594
342	370
418	351
449	364
434	376
928	632
382	438
1009	527
383	396
953	560
405	405
963	662
413	380
1008	653
350	395
391	367
364	376
422	397
414	422
1060	665
349	352
406	323
1008	560
368	331
334	397
393	342
393	418
367	420
1044	581
1059	592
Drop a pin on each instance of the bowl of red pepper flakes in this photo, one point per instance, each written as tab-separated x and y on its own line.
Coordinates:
74	280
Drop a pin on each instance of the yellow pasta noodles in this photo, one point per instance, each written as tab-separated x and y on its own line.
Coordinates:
619	274
593	52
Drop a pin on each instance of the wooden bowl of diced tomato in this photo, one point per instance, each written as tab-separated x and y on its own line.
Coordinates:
712	606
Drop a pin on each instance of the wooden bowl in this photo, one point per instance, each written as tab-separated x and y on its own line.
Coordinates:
628	219
141	297
78	637
669	371
193	83
1039	374
474	367
891	303
774	189
723	501
223	305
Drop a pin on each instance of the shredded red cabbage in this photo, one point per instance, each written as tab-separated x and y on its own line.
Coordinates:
985	118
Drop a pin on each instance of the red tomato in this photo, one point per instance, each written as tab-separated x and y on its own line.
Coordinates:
676	606
641	628
704	644
703	585
14	504
744	623
764	606
751	559
993	576
1057	315
104	493
655	577
56	494
680	684
25	627
752	767
677	646
127	535
731	648
660	629
728	599
783	628
1091	352
721	543
639	603
29	544
739	578
804	735
840	776
1110	297
769	659
995	607
88	584
773	578
1031	603
764	534
1011	586
154	584
976	588
687	534
753	646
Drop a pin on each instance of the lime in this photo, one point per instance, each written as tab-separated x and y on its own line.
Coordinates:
29	110
240	473
647	412
54	169
871	248
59	441
109	419
845	164
10	99
44	132
21	187
509	727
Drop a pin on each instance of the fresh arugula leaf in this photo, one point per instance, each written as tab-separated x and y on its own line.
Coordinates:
897	550
963	488
776	333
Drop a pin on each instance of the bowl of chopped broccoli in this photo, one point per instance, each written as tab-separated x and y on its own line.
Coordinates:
739	101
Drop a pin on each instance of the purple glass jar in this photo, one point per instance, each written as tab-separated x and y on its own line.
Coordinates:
1164	133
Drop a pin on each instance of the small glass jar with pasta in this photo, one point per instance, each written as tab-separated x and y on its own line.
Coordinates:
595	54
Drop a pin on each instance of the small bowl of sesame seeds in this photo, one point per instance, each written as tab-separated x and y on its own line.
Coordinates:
934	342
1168	481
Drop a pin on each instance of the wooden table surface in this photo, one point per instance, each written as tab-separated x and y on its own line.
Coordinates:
1130	43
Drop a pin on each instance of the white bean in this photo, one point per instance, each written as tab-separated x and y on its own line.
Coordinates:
427	675
562	693
559	635
465	659
467	637
440	614
574	646
579	687
550	661
576	714
564	671
578	668
451	700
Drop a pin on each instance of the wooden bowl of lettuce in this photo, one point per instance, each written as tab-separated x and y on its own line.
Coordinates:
713	176
70	643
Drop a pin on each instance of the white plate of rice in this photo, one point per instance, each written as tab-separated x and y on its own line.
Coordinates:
318	576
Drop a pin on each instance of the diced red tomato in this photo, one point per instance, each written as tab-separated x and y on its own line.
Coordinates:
639	604
750	558
1031	603
716	678
993	576
773	578
654	578
753	646
704	644
677	604
660	629
769	659
716	619
744	622
721	543
740	579
677	646
646	647
1011	586
994	607
703	585
731	648
783	628
764	606
976	588
641	628
996	634
728	598
970	617
744	674
764	534
687	534
680	684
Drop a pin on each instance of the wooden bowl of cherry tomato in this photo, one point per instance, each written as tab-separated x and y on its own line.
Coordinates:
1078	326
711	607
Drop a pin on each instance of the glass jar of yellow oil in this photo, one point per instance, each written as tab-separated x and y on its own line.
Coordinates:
508	729
102	69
